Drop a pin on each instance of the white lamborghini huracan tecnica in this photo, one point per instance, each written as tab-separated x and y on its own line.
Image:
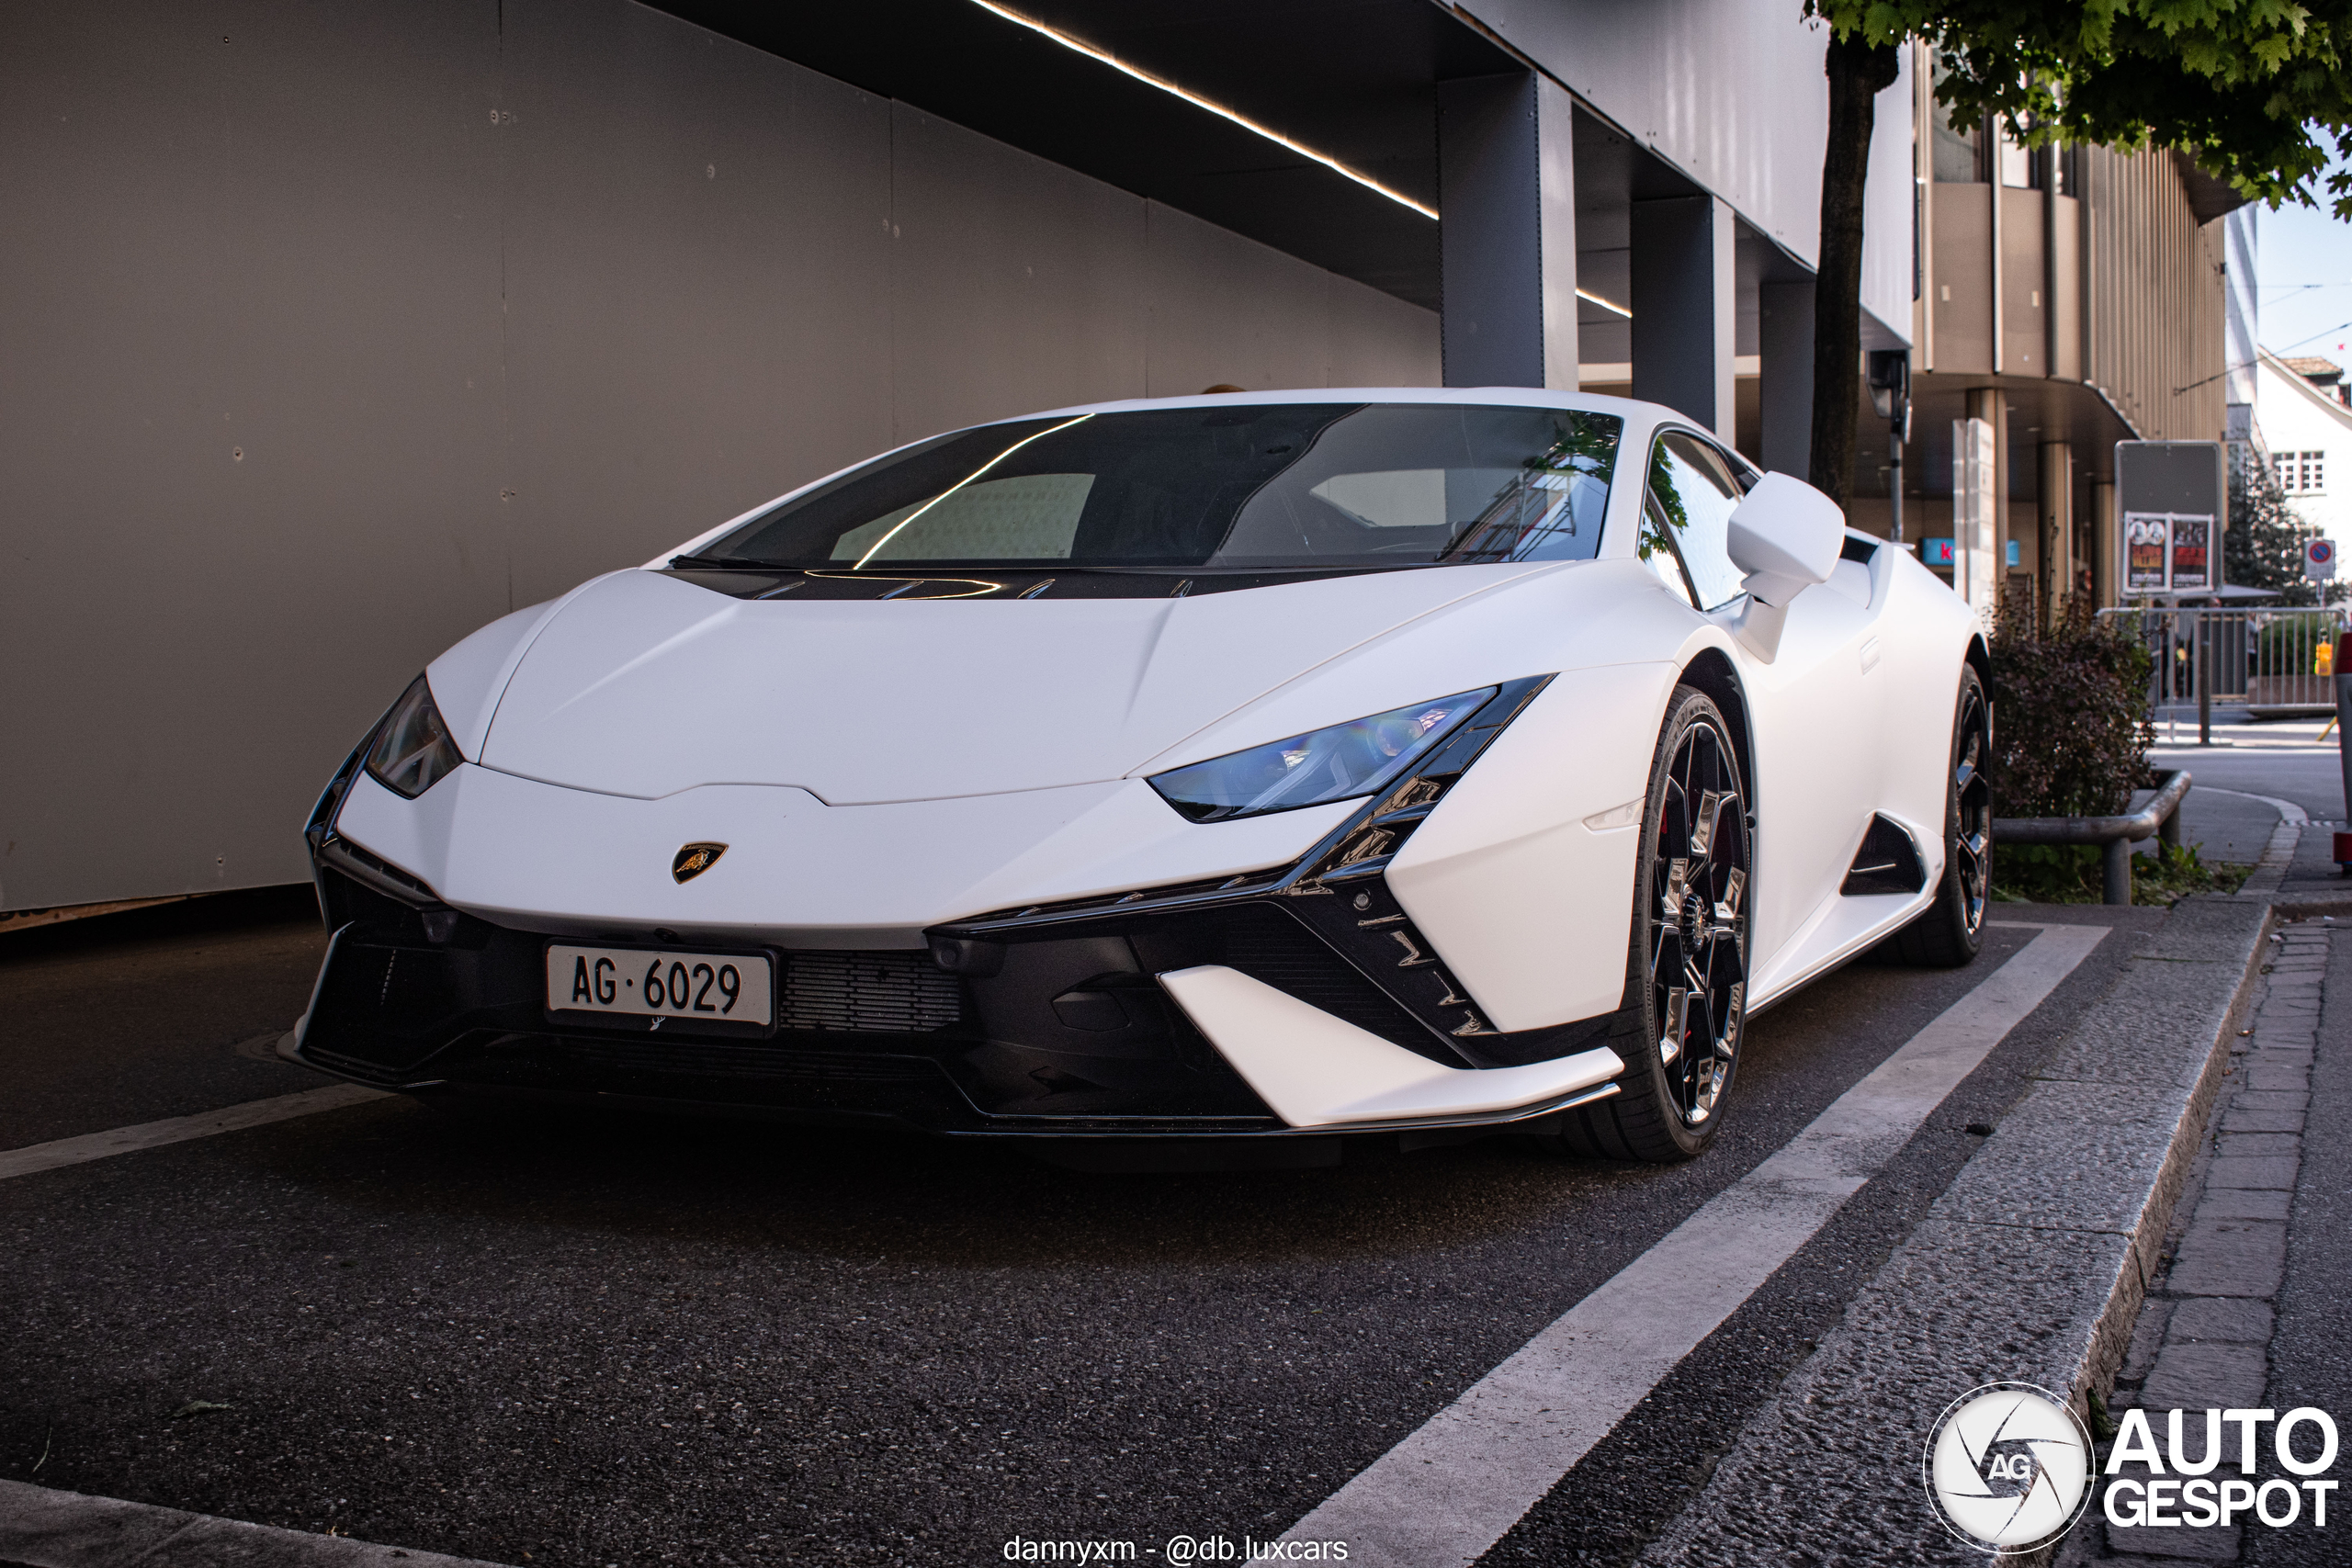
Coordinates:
1241	768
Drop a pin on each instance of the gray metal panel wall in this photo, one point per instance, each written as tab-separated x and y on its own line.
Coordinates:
249	417
325	343
1732	94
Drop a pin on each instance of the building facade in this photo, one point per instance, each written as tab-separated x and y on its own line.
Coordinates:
334	332
2305	432
2068	298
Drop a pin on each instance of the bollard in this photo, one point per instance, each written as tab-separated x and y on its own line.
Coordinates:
2116	885
2200	661
2342	848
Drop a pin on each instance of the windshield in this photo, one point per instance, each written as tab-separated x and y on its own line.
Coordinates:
1254	486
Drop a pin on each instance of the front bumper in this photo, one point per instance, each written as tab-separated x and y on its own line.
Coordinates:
1074	1036
1298	999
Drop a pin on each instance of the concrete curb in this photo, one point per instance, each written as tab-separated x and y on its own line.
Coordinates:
2029	1267
43	1529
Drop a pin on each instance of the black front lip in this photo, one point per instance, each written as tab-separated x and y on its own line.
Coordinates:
1099	1129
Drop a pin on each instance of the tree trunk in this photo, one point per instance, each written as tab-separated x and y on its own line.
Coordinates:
1858	73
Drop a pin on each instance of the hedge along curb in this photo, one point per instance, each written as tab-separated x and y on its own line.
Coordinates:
2029	1267
44	1529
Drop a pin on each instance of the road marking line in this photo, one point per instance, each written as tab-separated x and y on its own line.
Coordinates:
1454	1487
180	1129
2288	810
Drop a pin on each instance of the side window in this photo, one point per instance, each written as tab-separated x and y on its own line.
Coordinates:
1657	551
1688	511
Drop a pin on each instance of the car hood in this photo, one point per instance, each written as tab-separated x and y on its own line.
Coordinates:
641	684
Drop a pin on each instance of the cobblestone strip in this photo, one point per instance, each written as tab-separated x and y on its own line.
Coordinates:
2203	1337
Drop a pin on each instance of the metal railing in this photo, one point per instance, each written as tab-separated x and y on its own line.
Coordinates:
2276	662
2160	818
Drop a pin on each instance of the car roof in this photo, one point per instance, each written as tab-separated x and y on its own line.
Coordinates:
1627	408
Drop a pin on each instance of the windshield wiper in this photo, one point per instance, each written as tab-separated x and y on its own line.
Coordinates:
725	563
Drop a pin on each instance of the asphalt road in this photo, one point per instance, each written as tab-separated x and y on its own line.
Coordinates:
645	1342
2282	759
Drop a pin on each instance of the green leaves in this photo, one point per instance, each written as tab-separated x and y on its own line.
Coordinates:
1662	507
2255	90
2070	730
2263	546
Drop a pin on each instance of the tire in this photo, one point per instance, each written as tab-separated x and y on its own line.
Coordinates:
1949	932
1691	895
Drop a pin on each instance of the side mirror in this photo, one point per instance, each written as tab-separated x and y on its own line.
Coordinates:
1786	537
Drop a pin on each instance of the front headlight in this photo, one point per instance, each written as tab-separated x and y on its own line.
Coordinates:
413	749
1344	761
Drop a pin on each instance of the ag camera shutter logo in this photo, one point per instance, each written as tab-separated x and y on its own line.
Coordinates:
2008	1468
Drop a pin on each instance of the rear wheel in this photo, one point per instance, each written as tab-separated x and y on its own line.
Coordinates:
1949	931
1687	959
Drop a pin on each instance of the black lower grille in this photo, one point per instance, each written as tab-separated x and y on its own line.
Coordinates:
699	1059
886	993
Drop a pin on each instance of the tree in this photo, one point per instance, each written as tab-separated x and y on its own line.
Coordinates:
2263	546
2255	90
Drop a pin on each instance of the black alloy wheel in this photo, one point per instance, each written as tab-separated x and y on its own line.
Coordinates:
1950	931
1687	961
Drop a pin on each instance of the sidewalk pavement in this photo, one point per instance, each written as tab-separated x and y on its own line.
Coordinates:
2226	827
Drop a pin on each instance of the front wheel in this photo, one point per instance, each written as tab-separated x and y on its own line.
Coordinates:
1687	956
1949	932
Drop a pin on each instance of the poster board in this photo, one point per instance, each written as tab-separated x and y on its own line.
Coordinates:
2192	553
2172	501
2168	552
2147	538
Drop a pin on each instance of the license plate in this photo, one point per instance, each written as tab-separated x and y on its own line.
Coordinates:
707	988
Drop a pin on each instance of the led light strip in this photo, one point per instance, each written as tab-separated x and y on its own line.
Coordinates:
1604	304
1246	123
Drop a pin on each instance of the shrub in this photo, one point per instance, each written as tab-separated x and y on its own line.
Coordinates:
2072	874
2070	715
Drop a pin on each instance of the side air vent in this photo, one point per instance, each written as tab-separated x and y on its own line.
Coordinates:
372	870
883	993
1888	862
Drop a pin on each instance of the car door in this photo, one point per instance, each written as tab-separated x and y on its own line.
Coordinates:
1812	705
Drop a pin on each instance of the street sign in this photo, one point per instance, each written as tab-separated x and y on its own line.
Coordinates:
2319	560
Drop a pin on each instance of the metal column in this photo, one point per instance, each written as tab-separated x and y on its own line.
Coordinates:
1507	240
1685	299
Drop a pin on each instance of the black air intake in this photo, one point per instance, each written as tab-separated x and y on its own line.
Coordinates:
1888	862
875	993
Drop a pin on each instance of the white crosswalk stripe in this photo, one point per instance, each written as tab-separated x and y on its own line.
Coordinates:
1452	1488
180	1129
